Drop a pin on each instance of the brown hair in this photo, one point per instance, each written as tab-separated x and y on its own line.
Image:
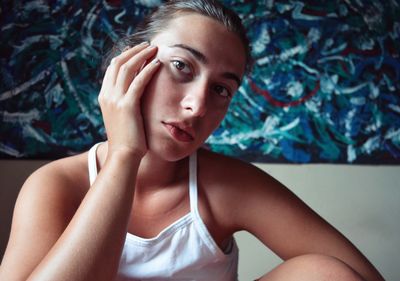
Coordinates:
158	20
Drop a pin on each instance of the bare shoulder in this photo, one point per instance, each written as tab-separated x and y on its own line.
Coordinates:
231	174
45	205
229	171
244	197
66	177
234	188
53	192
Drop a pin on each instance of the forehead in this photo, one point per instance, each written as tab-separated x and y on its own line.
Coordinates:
222	48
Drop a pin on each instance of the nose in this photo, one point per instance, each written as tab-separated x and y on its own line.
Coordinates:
194	101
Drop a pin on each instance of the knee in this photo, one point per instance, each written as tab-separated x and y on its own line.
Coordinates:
313	267
324	267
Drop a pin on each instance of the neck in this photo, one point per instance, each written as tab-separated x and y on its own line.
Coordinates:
155	173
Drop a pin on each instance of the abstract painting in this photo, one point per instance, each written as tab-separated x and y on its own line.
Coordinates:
324	86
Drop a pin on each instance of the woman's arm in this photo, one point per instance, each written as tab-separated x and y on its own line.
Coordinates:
50	242
289	227
90	246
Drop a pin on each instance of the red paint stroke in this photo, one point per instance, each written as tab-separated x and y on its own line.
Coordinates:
45	126
390	47
267	95
344	67
308	11
349	50
115	3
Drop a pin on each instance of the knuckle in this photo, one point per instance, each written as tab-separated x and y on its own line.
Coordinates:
141	46
114	100
108	73
115	61
100	98
124	68
110	66
134	88
110	69
139	79
118	105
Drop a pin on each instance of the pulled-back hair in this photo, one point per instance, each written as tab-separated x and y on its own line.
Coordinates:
158	20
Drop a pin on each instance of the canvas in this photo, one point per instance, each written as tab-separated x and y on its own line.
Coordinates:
324	87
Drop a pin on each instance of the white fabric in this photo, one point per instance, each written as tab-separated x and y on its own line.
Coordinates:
184	250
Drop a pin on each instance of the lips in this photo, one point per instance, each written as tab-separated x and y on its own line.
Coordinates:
179	131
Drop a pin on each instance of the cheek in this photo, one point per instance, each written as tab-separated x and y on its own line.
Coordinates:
214	120
160	93
163	79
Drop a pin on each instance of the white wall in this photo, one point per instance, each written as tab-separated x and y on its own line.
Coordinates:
361	201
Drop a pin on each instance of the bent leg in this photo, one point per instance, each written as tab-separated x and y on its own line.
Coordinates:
312	267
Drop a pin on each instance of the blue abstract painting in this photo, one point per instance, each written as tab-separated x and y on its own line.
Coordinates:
324	88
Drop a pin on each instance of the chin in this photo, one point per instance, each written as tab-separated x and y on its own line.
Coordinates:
171	152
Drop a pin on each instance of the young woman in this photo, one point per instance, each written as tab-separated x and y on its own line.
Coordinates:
154	206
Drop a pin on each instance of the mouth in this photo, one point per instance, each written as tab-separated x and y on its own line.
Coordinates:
179	131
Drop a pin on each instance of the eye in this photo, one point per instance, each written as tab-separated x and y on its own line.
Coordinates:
222	91
181	66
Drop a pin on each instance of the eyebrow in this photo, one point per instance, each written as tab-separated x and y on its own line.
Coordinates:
203	59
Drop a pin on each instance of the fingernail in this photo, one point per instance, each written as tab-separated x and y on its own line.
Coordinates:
144	43
156	61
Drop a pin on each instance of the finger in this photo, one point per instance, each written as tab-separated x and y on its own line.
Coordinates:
136	88
128	52
132	67
107	84
119	60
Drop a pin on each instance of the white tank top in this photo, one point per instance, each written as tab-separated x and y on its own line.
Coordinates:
183	251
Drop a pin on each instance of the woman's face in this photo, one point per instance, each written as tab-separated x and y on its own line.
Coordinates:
202	64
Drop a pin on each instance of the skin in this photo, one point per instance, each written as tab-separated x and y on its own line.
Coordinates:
71	225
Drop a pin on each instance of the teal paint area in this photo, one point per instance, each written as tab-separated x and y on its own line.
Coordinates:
324	86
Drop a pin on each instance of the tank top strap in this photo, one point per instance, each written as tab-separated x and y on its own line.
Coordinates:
92	163
193	193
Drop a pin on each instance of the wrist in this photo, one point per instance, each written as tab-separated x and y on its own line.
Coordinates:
126	154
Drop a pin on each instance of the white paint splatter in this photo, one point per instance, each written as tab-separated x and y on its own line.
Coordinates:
150	3
20	117
393	134
371	144
295	89
24	86
10	151
394	107
351	154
